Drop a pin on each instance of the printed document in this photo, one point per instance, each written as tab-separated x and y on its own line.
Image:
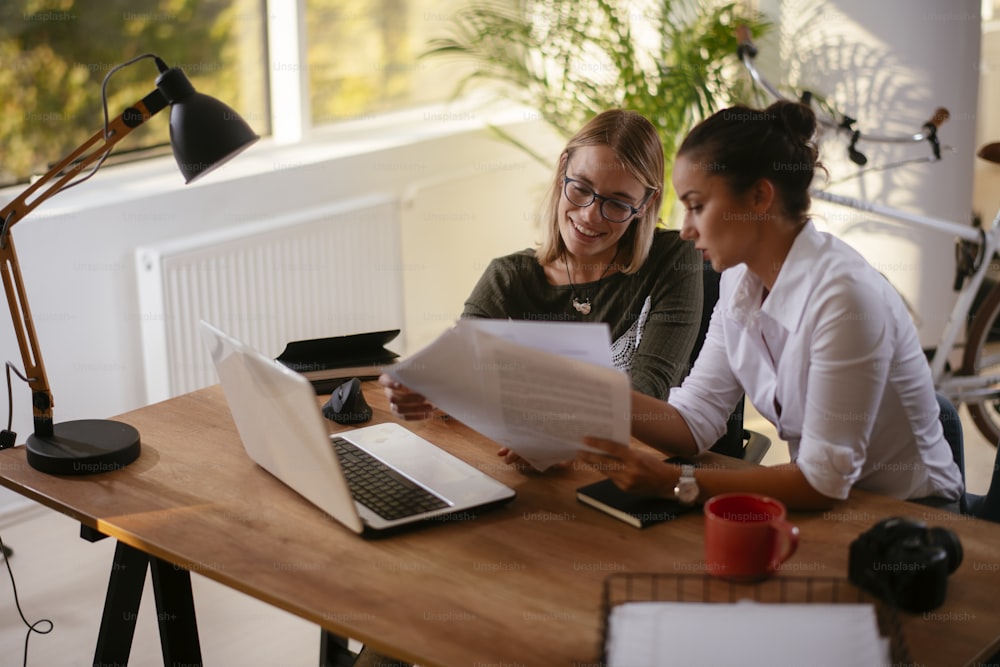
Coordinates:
535	387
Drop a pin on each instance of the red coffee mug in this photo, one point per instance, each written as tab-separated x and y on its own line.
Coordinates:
747	536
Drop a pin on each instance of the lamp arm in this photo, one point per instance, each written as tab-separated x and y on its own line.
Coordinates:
24	327
54	181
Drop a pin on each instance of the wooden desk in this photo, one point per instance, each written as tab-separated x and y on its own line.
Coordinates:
520	585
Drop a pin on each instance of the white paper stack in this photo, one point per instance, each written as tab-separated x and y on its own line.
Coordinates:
749	634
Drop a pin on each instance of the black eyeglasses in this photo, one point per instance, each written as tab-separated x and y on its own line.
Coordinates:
614	210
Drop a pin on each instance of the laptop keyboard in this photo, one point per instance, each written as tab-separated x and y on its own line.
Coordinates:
380	488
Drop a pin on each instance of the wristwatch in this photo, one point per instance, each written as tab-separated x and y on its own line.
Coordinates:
686	491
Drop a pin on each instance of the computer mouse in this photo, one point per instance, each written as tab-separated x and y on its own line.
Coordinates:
347	404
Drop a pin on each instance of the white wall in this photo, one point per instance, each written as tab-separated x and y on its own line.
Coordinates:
987	175
889	64
467	198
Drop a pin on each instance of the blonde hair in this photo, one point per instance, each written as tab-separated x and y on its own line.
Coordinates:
636	143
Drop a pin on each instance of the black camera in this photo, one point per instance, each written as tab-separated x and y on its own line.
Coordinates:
905	563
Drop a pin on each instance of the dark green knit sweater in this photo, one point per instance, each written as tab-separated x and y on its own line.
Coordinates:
660	305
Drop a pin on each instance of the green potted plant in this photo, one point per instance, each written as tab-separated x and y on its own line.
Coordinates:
674	61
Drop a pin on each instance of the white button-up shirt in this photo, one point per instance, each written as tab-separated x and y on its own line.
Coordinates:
832	359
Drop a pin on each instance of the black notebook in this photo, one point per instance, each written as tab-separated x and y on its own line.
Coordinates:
635	510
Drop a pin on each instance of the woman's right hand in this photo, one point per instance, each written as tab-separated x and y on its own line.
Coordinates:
405	404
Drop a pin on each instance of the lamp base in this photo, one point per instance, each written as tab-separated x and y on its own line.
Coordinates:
84	447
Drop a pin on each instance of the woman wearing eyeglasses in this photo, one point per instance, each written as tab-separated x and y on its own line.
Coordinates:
603	258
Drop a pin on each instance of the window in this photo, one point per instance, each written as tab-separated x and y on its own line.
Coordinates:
362	59
364	56
55	54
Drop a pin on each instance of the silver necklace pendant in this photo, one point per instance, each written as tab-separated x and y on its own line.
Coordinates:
583	307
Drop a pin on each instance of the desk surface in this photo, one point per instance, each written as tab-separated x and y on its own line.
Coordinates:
519	585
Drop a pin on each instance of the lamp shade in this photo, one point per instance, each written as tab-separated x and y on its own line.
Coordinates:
204	132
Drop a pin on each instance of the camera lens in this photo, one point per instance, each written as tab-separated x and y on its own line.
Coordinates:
948	541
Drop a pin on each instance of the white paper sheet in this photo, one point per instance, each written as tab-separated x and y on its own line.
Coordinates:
536	387
586	341
749	634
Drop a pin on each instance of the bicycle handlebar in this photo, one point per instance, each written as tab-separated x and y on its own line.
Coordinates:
745	41
938	119
747	51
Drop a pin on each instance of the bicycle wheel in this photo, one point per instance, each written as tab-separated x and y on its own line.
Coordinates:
982	357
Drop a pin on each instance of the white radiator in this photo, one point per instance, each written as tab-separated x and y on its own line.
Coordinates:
320	272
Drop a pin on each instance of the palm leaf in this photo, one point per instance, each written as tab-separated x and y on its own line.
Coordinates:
673	61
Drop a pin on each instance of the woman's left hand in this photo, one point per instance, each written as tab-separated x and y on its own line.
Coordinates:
630	469
514	459
405	404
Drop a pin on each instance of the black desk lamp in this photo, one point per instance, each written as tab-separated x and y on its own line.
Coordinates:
204	133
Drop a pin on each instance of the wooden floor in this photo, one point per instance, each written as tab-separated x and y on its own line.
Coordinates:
63	578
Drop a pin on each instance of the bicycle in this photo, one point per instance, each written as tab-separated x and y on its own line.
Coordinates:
976	382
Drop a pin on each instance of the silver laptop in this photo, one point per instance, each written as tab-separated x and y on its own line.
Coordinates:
283	430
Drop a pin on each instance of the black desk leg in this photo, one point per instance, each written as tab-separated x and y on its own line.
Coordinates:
121	606
175	614
333	651
174	610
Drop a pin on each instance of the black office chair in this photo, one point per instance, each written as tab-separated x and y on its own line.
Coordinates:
980	506
987	506
952	426
737	441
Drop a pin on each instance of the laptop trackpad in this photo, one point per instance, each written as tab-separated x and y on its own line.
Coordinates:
417	458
